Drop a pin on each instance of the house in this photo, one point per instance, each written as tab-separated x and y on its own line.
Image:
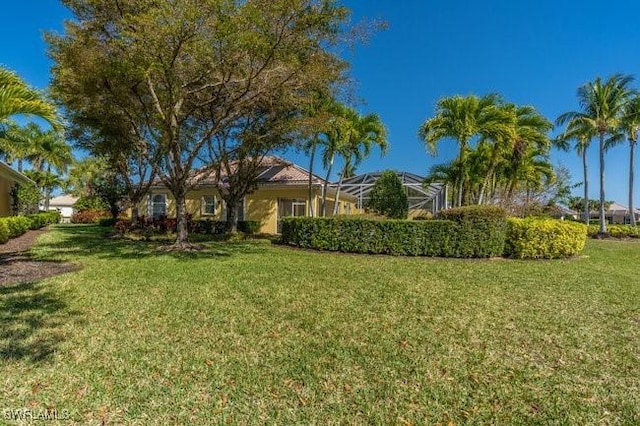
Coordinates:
615	214
282	192
9	178
64	204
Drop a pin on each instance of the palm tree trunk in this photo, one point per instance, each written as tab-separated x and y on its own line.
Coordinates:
310	189
632	215
587	210
335	205
325	187
47	192
603	222
485	184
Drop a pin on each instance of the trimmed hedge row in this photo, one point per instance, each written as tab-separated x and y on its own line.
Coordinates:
14	226
544	238
616	231
465	232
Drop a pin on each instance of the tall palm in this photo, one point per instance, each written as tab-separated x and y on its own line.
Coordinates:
529	129
17	98
464	119
602	106
50	151
366	132
629	128
582	135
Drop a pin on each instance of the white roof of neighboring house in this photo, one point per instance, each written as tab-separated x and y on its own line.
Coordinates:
63	200
8	172
616	208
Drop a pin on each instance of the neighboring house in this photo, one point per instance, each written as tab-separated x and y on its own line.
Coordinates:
282	192
64	204
9	178
616	214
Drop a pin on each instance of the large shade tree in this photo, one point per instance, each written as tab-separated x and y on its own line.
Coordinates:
182	73
602	105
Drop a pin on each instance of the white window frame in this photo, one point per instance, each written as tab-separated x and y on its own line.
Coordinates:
204	204
152	204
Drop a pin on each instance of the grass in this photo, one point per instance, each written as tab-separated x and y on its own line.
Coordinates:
247	333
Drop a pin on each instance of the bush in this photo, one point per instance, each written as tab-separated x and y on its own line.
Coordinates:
249	226
395	237
4	231
17	225
544	238
388	197
89	216
616	231
42	219
107	221
481	230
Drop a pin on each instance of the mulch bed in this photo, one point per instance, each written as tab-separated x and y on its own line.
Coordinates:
17	266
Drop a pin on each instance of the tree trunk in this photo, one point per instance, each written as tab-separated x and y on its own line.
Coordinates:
632	214
485	184
181	216
587	209
310	189
47	192
135	214
603	221
325	186
232	216
335	205
20	165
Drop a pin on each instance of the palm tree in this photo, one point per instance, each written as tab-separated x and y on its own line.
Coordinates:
463	119
602	105
445	173
582	134
49	151
17	98
366	131
629	127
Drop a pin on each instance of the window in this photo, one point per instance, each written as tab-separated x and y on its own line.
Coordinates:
158	205
208	205
287	208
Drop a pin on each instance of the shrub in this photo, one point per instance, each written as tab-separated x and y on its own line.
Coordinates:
355	235
481	230
4	231
88	216
544	238
18	225
42	219
616	231
388	197
249	226
107	221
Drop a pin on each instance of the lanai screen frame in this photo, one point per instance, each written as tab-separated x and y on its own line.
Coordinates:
433	197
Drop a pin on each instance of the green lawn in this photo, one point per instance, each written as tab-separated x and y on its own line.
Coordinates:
248	333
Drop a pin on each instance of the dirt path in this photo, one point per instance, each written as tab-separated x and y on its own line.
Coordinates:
17	266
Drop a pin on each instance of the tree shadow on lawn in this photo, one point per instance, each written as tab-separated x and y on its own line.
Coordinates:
79	240
31	318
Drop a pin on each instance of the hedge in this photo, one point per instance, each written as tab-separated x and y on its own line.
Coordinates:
616	231
14	226
544	238
477	231
358	235
481	230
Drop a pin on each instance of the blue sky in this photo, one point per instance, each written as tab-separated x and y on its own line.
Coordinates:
534	53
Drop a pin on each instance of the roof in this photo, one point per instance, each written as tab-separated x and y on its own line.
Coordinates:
273	170
14	175
619	208
63	200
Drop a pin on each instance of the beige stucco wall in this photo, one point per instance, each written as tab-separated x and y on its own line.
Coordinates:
5	195
261	206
